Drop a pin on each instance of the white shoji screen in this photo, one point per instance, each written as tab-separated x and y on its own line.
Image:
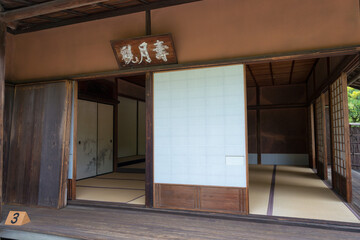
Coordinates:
199	127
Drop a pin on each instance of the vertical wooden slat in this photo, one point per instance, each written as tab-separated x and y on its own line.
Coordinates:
2	96
312	133
341	138
347	138
73	182
116	127
149	102
321	152
324	136
332	159
246	197
258	126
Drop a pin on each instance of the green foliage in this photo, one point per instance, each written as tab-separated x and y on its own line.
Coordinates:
354	104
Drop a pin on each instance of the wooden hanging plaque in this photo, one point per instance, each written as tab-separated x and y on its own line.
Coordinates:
144	51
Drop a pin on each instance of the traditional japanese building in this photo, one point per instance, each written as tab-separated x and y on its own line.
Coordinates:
228	107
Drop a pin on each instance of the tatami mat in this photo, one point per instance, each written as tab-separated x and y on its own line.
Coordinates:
113	187
107	195
259	190
112	183
300	193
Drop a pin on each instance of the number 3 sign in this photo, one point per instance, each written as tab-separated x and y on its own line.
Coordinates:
17	218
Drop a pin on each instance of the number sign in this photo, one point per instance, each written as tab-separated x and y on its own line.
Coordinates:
144	51
17	218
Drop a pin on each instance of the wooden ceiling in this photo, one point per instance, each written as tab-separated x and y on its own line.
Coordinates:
86	12
279	73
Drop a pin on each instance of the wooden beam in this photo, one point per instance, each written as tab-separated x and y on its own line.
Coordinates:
272	75
74	12
291	71
106	6
2	96
252	74
44	8
102	15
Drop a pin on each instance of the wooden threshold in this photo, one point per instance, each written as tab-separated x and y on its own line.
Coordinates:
285	221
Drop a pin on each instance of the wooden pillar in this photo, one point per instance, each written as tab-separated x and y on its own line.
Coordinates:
149	172
2	95
258	127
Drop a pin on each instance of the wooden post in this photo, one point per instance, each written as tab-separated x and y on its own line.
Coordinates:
2	95
149	188
258	127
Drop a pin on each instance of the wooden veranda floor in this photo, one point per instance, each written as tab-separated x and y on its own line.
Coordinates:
355	179
82	222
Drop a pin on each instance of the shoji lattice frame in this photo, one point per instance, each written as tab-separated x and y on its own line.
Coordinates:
320	137
340	139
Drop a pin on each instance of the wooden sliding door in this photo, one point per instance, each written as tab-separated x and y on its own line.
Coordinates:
321	152
341	162
39	145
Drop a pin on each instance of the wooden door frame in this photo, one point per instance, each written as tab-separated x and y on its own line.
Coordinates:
72	182
148	71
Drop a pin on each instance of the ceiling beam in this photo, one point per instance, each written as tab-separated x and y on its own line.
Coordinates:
291	71
44	8
106	6
106	14
272	75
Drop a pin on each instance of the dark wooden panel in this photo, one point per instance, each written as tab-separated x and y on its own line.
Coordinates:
283	130
290	94
252	143
8	107
2	97
221	198
130	90
39	146
251	96
176	196
201	198
321	72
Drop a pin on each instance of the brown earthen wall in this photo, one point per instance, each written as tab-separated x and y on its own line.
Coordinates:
205	30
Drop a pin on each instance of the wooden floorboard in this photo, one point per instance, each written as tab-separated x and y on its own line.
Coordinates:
356	188
355	179
107	223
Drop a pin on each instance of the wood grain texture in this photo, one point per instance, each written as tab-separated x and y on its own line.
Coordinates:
79	222
201	198
8	107
340	138
137	59
2	97
149	128
39	145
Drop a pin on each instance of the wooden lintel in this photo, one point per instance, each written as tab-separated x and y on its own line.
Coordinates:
44	8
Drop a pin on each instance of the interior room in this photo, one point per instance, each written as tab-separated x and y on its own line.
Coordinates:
286	141
110	164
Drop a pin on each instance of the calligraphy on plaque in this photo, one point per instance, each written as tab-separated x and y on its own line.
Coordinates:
144	51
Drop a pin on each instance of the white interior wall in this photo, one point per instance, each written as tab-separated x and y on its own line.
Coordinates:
127	127
199	127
